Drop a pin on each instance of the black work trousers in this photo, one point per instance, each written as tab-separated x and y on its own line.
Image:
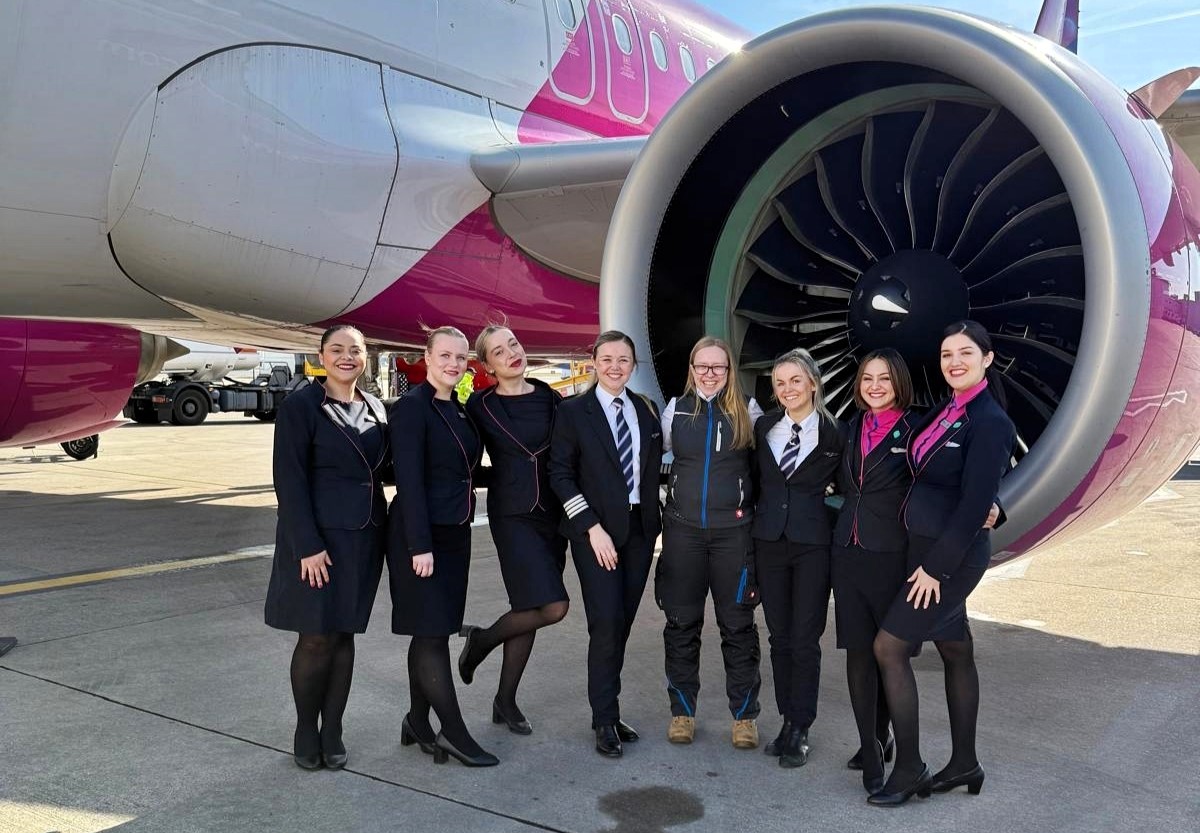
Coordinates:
611	599
693	562
793	581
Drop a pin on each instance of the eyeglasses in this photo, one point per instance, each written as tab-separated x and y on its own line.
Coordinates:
714	369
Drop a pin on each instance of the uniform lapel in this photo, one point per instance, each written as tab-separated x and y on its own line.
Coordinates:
648	426
599	422
823	437
956	427
883	450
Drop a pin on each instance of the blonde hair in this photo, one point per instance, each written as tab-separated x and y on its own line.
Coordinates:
804	360
431	334
732	400
481	342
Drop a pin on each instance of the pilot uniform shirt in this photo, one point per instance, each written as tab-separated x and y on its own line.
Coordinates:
781	433
606	400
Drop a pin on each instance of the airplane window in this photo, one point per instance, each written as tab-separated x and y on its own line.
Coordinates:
621	29
710	63
689	66
566	13
659	49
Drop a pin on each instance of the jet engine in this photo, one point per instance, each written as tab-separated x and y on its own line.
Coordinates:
62	380
865	177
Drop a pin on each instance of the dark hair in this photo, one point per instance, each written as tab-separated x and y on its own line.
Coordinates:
976	332
609	336
336	328
897	369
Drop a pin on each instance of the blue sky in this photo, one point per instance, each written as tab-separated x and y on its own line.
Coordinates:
1130	42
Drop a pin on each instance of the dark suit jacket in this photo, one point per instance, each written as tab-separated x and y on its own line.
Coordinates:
323	478
873	490
434	473
956	482
584	462
794	507
518	479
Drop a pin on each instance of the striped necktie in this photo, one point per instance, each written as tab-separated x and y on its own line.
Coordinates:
790	460
624	444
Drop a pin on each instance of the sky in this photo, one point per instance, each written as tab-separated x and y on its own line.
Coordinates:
1130	42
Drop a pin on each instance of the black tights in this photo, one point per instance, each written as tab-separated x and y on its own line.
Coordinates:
322	668
869	702
962	702
431	685
514	630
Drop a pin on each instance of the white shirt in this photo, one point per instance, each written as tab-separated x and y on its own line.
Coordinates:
781	432
606	402
669	415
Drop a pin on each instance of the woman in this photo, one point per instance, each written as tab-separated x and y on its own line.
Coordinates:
515	418
798	446
605	454
330	458
706	539
957	456
867	566
435	451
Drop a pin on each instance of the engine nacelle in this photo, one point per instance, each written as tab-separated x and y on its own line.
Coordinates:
61	380
862	178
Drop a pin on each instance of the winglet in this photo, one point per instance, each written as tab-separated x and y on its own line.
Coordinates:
1059	21
1161	93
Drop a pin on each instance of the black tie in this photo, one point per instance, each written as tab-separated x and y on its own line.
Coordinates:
790	460
624	444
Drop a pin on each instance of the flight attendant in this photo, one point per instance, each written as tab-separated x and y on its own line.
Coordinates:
330	458
515	418
435	450
706	540
867	565
605	455
798	447
958	455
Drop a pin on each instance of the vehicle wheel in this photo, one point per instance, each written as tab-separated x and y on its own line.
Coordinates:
265	416
145	416
82	448
191	407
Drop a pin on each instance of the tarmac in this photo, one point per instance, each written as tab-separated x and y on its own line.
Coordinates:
145	693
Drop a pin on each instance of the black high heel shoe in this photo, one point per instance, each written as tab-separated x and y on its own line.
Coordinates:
409	736
919	787
517	724
333	751
445	747
306	751
874	783
889	749
972	779
465	669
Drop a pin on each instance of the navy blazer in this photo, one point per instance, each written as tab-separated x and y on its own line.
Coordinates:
874	489
955	483
434	473
584	464
794	507
323	478
518	479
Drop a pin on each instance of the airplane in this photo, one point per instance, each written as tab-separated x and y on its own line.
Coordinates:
250	173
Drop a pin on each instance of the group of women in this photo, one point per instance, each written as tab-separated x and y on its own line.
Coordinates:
746	516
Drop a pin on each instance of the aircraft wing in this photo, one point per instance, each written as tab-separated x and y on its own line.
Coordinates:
1181	121
555	200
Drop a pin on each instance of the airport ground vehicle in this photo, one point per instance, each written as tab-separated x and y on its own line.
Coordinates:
187	401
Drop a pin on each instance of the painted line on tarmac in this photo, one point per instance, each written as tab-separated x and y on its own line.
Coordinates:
97	576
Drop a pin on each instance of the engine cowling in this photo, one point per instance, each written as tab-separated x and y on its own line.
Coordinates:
863	178
61	380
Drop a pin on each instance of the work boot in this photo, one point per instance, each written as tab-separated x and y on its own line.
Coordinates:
745	734
682	729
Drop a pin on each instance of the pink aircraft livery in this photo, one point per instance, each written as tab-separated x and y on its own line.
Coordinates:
248	173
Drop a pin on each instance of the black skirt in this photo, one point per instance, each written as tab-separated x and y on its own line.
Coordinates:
532	557
945	621
865	584
432	606
341	606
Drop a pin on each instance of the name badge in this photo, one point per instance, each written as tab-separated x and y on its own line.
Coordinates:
896	450
953	445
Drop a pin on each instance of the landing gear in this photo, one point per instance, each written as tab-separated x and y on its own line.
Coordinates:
82	448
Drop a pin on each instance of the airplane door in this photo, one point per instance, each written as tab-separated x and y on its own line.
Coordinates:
628	86
572	50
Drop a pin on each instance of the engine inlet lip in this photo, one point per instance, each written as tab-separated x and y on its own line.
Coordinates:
1015	70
